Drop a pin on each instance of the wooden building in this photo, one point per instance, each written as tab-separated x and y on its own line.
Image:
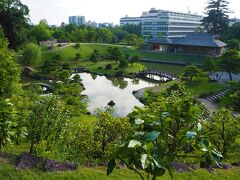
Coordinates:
199	44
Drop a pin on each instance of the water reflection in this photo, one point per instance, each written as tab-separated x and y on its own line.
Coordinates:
102	90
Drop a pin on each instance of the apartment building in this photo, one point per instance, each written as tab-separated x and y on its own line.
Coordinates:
162	23
78	20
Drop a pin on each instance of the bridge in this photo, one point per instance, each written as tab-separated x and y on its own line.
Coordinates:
159	73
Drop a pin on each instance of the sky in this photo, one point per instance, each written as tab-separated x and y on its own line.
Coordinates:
57	11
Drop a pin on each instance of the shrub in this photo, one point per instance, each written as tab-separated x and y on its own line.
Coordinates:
108	66
31	54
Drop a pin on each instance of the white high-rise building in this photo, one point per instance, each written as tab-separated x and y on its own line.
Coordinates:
162	23
78	20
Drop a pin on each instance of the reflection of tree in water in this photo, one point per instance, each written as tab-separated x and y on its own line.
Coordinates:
119	82
135	81
94	76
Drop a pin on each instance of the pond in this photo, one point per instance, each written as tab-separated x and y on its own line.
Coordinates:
101	90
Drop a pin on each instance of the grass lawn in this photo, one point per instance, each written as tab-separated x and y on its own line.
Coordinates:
203	85
94	67
68	54
163	56
8	171
173	69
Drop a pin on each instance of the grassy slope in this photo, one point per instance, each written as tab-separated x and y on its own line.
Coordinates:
85	50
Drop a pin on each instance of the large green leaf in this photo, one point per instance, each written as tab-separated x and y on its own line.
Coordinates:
139	121
111	166
191	134
134	143
151	136
144	161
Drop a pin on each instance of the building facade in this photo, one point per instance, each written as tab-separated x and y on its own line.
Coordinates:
130	20
78	20
199	44
162	23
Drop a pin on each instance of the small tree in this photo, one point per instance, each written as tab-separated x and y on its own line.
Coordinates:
93	58
234	44
123	63
223	130
190	72
209	64
134	59
31	54
230	62
78	56
47	121
77	46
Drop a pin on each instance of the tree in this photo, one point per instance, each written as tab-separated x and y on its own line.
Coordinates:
9	70
209	64
217	18
31	54
190	72
134	59
93	58
230	62
115	54
47	121
223	130
14	18
110	131
41	32
234	44
165	130
123	63
78	56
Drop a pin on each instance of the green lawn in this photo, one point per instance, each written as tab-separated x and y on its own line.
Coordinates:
173	69
8	171
99	67
85	50
203	85
163	56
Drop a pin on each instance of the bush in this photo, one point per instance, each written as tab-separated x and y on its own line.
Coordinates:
31	54
77	46
108	66
119	73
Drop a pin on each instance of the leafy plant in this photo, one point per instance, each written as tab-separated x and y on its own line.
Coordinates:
167	129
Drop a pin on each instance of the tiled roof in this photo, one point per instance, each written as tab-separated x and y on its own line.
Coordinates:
206	40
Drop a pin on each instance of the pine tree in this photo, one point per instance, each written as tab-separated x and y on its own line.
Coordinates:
217	18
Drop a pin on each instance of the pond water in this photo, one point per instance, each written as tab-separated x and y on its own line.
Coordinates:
101	90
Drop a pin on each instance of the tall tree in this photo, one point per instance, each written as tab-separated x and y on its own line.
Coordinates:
41	32
32	54
13	19
230	62
217	18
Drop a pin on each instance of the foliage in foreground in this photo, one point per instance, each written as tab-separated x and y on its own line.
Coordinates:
167	129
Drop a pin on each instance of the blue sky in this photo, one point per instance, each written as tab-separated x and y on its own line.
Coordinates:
57	11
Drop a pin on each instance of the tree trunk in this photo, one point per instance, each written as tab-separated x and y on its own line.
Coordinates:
32	148
230	76
190	80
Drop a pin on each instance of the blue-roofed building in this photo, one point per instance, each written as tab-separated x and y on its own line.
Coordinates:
201	44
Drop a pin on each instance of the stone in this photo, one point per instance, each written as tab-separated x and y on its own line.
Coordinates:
180	167
52	165
222	166
236	164
28	161
111	103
